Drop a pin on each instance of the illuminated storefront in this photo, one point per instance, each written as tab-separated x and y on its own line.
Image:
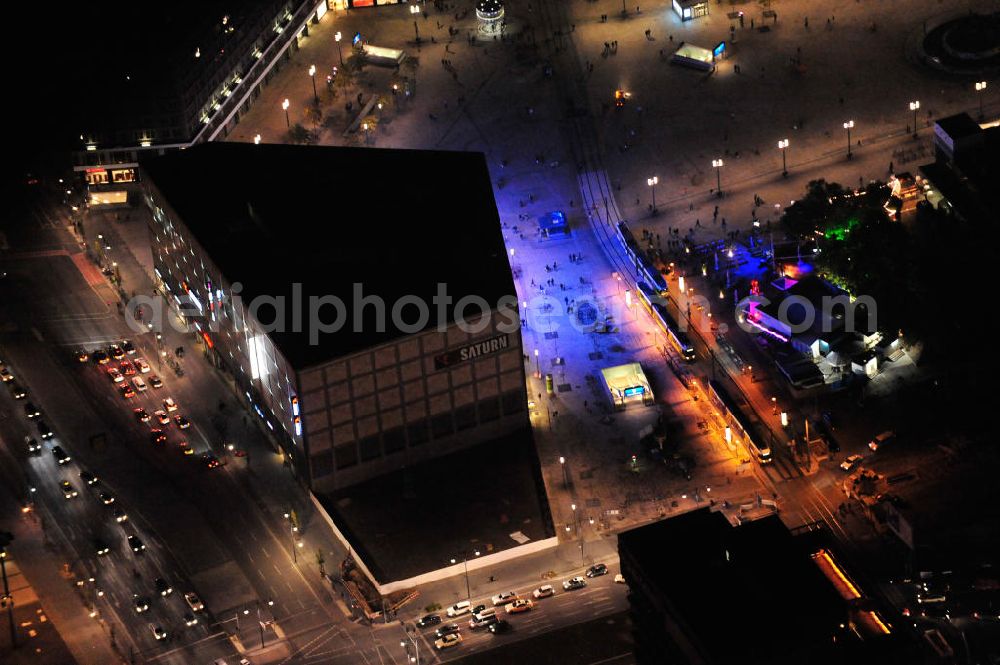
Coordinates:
354	4
689	9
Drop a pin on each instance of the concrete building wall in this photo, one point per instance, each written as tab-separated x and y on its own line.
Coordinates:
396	404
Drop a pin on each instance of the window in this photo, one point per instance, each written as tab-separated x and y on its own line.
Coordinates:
441	425
489	410
513	402
370	448
417	432
346	455
394	440
322	464
465	417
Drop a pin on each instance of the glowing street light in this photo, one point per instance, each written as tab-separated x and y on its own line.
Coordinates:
538	368
651	183
256	139
337	37
284	105
848	126
312	75
980	88
913	107
782	145
717	165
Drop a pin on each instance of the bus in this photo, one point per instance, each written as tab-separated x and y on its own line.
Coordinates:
738	423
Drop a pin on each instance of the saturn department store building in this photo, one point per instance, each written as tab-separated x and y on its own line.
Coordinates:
235	225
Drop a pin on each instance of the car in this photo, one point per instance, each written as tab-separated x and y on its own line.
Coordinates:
848	464
597	570
106	498
101	548
428	620
136	544
190	619
116	352
44	430
574	583
120	515
5	375
477	609
447	641
182	422
115	375
128	347
162	587
140	604
100	357
161	417
520	605
34	448
543	591
447	629
88	478
458	609
16	391
155	381
186	449
31	411
169	404
158	632
128	369
881	440
504	598
139	384
82	355
500	627
143	366
127	391
60	455
141	415
68	490
619	579
193	601
157	437
212	462
485	622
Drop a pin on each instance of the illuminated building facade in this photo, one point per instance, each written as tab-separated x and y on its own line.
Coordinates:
255	244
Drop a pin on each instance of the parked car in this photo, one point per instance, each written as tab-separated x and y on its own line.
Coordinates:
139	384
6	376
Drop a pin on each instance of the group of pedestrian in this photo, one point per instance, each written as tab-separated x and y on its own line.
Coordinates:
610	48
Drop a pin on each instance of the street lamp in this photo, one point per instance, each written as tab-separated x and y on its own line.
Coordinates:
256	139
337	37
848	125
562	463
651	183
980	88
782	144
717	165
312	75
913	107
284	105
465	563
579	533
538	368
414	9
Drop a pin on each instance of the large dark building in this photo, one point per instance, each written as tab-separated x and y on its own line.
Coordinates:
705	592
966	169
169	76
248	240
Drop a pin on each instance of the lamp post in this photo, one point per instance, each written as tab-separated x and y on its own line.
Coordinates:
782	145
337	37
8	600
913	107
415	658
312	75
538	367
980	88
284	105
651	183
293	528
414	10
256	139
562	463
465	563
717	165
579	534
260	622
848	125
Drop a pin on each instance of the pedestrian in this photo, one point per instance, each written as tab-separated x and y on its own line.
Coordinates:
891	170
671	39
805	22
751	24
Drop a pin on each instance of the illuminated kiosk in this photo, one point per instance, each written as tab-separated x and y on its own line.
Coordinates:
689	9
627	384
693	56
489	11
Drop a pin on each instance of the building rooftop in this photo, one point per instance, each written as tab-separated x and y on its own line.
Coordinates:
747	594
397	222
440	509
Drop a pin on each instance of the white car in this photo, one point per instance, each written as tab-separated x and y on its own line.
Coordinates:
544	591
504	598
115	375
142	365
158	632
447	641
140	385
848	464
458	609
193	601
574	583
170	405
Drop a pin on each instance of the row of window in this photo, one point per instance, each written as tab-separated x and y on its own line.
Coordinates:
417	433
